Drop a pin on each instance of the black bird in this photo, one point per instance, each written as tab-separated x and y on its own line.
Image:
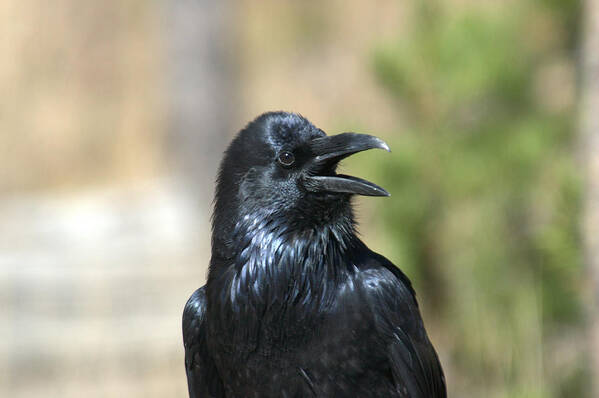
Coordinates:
295	304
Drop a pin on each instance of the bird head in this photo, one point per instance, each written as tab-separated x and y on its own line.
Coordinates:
281	164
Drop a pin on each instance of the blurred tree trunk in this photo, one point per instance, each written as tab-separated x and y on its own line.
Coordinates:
590	153
200	88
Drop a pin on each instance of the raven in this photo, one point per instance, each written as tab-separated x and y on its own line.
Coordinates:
295	304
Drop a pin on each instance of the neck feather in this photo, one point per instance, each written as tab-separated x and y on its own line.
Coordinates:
282	259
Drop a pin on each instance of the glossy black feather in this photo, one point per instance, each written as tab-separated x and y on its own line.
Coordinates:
295	304
202	376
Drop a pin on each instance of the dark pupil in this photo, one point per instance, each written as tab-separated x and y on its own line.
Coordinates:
286	158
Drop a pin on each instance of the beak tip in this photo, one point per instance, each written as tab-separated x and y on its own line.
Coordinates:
378	191
383	145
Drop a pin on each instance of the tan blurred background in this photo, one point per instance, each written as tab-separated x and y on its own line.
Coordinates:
113	117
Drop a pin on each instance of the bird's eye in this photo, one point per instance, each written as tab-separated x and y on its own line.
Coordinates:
286	158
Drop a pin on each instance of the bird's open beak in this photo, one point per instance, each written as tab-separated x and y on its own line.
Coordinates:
329	151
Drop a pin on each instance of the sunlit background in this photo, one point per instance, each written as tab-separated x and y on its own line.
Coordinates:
114	116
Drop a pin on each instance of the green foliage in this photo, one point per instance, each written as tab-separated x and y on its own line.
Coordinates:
486	196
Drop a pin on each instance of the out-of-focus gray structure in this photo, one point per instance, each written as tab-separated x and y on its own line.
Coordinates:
201	80
590	159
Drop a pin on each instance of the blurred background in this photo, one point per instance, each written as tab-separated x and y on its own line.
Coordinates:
114	116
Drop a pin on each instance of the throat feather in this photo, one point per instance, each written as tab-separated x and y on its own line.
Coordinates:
277	266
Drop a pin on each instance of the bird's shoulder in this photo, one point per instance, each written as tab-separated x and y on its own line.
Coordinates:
386	294
381	279
397	320
202	376
193	315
